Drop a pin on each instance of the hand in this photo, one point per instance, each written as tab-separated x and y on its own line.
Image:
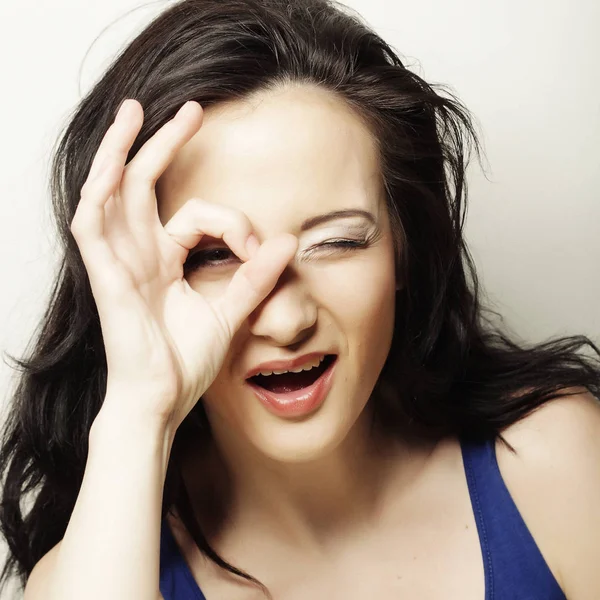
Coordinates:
164	342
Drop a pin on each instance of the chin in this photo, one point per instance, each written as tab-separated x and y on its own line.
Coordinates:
251	427
302	441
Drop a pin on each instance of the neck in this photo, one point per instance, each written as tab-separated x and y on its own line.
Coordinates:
309	505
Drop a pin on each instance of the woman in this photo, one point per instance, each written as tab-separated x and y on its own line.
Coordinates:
256	187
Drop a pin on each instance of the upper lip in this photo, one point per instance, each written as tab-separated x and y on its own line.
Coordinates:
284	365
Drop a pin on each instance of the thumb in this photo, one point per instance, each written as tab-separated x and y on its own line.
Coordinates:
254	280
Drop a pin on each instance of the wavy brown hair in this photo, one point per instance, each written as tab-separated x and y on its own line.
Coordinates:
450	370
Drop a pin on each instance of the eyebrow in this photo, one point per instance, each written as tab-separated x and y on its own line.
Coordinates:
337	214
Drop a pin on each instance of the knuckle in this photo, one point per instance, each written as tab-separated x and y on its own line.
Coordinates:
237	218
75	226
91	188
233	217
137	174
86	190
196	203
242	222
238	224
78	223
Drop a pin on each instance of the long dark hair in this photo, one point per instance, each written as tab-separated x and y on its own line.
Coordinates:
450	371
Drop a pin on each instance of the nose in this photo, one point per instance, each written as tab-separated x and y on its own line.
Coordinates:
286	316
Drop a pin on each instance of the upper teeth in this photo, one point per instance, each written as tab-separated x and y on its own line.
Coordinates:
306	367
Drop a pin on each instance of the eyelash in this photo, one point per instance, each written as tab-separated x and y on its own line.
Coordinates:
344	245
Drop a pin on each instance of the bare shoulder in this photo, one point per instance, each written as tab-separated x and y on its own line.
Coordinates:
36	587
554	480
37	583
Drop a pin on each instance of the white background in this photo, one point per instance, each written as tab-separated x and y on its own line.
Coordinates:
529	71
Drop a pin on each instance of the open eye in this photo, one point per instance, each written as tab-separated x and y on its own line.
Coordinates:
210	257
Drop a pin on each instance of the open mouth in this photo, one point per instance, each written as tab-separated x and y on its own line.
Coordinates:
291	382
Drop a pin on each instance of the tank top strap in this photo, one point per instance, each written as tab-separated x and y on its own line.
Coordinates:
176	580
514	567
513	564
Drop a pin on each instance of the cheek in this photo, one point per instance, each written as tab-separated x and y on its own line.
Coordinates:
359	292
361	297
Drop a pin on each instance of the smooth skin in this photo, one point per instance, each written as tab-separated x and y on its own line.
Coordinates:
159	334
164	345
420	542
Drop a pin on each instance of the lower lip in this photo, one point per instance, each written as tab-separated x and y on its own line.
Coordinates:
299	402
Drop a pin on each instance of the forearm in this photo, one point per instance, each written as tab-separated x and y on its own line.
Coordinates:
111	545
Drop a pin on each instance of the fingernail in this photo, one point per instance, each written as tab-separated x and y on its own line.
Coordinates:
252	245
126	109
183	111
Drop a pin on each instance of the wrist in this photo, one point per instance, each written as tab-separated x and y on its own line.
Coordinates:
114	430
121	415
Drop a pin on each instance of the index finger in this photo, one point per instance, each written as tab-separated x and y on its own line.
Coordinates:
119	137
153	158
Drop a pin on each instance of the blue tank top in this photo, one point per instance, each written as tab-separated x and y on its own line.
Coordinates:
514	567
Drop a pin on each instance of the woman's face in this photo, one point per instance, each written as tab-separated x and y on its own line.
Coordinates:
283	158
